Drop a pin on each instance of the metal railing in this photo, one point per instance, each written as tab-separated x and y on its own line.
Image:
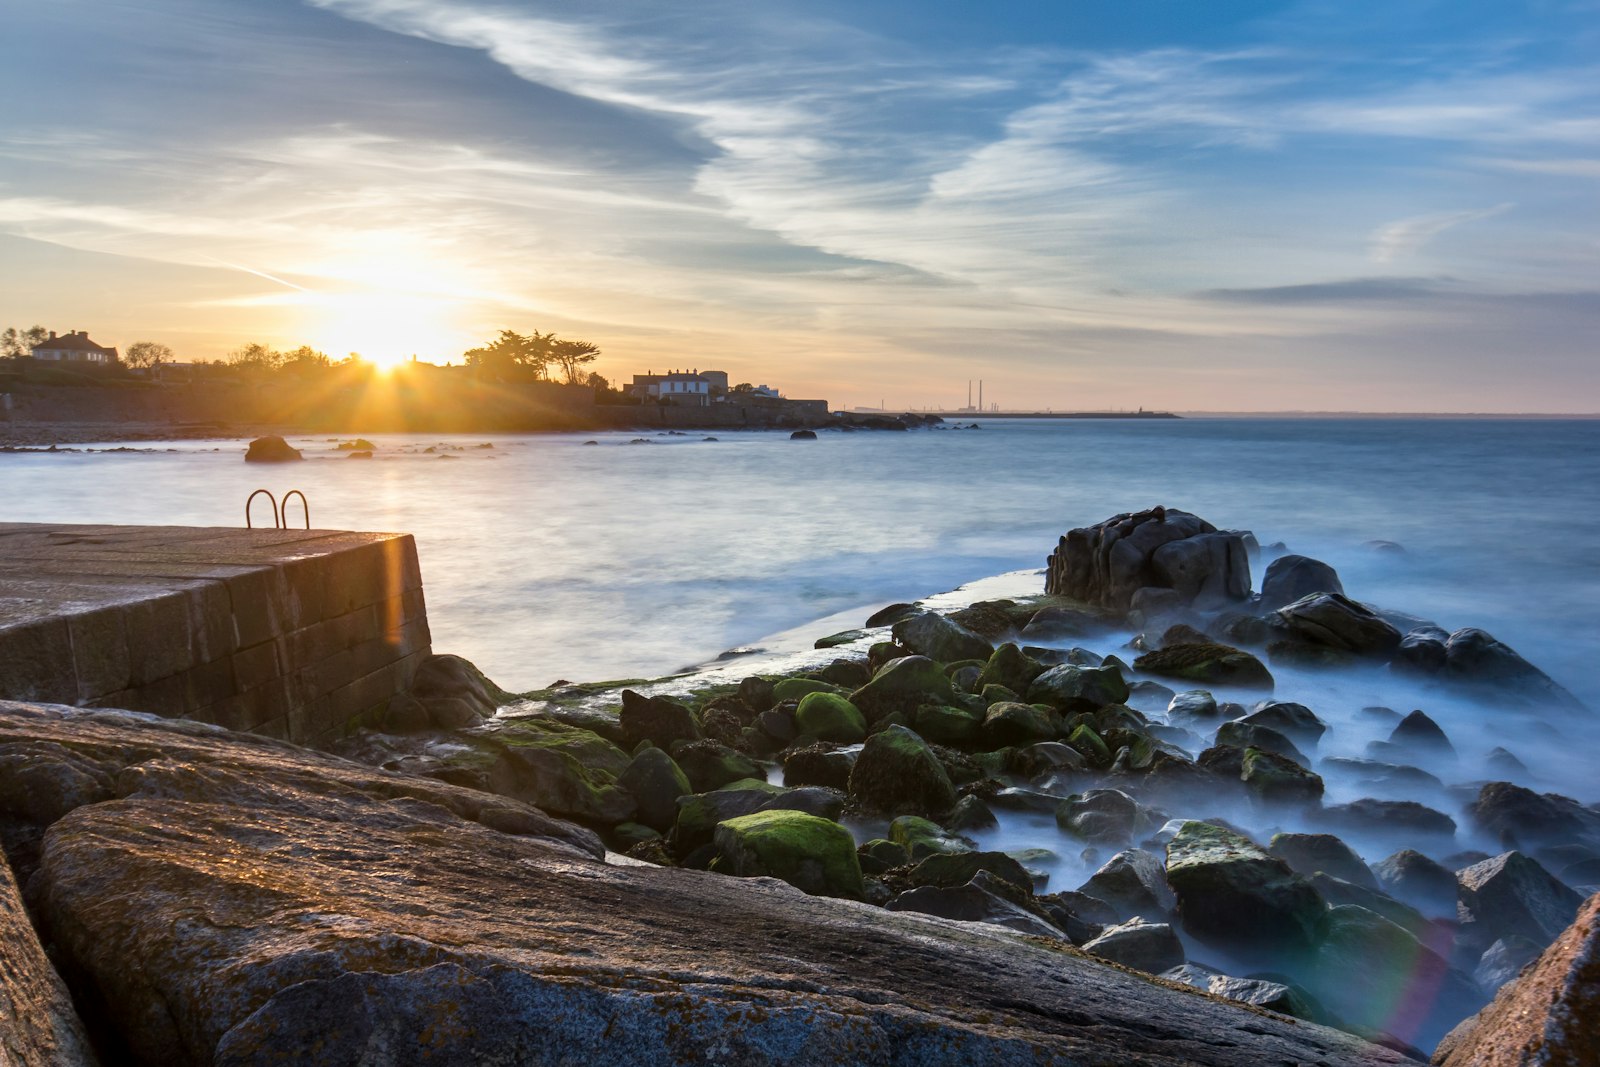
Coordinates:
279	512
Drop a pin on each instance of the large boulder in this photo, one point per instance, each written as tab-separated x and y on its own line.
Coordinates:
239	901
700	813
658	720
271	449
1106	564
1011	724
902	685
1238	897
1212	664
1010	667
1309	853
1512	895
1134	884
38	1023
564	770
985	899
1291	577
937	637
830	717
1276	779
1072	688
1336	621
815	855
1423	883
1473	657
1295	721
656	782
1516	817
1547	1016
897	773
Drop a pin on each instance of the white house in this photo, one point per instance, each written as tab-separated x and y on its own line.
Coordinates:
75	347
676	387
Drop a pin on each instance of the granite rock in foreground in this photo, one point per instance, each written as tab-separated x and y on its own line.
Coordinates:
224	899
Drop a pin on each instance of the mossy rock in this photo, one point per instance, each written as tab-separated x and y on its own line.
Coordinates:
1238	897
1072	689
627	835
901	685
923	837
898	773
992	694
1019	724
937	637
656	782
1214	664
945	725
880	855
815	855
830	717
711	765
796	688
1010	667
844	637
1278	779
658	720
563	770
1090	745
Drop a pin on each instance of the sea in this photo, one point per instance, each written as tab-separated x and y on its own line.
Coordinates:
586	557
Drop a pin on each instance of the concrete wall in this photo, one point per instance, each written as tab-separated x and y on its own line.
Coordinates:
295	634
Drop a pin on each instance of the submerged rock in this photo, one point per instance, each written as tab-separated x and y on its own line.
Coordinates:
1291	578
1336	621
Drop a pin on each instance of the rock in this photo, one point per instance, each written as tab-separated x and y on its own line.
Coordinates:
1307	854
1512	895
358	455
758	694
1134	884
818	765
796	689
976	901
656	783
829	717
1142	945
1107	816
834	640
1055	623
1420	734
440	679
1360	942
1389	818
1011	724
1070	688
814	855
1010	667
368	915
922	838
1504	764
952	869
945	725
931	634
658	720
1212	664
1338	891
1473	657
38	1022
1426	885
890	614
564	770
1520	818
846	673
776	723
971	813
1545	1017
1278	779
897	773
1090	745
803	435
1262	993
1503	961
880	855
1290	578
271	449
1336	621
1379	777
1237	897
1240	734
1147	694
700	813
1196	705
1295	721
1106	564
1420	654
901	685
1182	634
711	765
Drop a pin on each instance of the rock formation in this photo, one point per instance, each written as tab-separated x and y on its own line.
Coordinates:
1106	564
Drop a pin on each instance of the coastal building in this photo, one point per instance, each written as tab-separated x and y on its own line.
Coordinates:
690	388
74	347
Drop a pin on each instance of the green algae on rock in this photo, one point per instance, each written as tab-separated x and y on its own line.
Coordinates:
815	855
1213	664
830	717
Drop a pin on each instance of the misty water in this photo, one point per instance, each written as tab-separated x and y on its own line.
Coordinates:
549	557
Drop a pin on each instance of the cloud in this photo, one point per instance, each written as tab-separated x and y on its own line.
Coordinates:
1338	292
1406	237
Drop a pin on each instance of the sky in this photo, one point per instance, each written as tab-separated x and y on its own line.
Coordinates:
1233	205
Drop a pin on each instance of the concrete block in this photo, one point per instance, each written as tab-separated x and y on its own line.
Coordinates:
100	656
36	662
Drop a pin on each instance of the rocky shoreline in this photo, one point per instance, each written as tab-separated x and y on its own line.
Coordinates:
425	886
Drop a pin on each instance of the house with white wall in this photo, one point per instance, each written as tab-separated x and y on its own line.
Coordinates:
74	347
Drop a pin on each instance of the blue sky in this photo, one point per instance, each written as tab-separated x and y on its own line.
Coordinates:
1227	206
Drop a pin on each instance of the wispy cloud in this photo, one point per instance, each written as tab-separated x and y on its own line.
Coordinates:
1406	237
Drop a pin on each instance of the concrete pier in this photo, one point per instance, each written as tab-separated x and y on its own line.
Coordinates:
297	634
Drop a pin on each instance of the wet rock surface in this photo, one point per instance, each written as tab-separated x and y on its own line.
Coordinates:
233	899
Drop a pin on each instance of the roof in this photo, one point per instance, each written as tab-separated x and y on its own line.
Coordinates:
75	341
682	377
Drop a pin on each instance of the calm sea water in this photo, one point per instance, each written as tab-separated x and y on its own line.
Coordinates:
544	557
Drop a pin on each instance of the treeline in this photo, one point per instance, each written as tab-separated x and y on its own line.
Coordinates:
537	355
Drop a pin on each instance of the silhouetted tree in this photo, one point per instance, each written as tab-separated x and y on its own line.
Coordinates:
571	355
501	357
147	354
15	342
255	356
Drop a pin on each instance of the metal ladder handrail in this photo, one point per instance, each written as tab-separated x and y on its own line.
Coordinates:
280	512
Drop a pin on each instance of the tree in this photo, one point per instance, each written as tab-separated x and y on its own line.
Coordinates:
743	387
598	382
501	357
256	356
147	354
570	355
14	342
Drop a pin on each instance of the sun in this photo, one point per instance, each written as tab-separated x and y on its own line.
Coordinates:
386	328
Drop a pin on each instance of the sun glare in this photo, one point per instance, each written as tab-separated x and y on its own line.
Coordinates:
387	329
